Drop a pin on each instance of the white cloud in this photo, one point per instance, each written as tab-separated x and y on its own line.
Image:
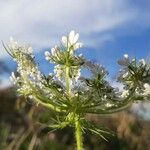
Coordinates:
43	22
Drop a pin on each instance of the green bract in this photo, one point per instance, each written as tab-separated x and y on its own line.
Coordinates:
70	95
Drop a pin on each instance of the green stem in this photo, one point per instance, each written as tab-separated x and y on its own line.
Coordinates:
67	81
78	134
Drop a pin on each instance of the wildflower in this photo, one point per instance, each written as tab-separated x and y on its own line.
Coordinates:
147	89
74	72
125	61
13	78
142	62
109	104
47	55
125	93
71	41
54	51
71	95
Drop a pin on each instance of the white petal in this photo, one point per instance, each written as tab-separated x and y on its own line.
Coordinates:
50	74
53	51
13	43
80	55
147	89
78	45
126	56
142	62
11	79
64	40
11	39
13	75
47	53
76	38
30	50
124	94
47	58
71	37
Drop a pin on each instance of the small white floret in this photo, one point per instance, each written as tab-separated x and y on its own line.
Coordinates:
71	37
64	40
47	53
126	56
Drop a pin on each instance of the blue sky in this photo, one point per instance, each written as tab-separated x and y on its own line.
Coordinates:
108	28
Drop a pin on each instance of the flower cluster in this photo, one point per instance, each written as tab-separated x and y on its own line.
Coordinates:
147	89
24	57
71	95
74	72
71	42
64	57
134	73
28	78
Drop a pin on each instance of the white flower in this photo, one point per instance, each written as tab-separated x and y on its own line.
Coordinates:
13	78
47	55
76	94
125	75
80	55
125	93
53	51
147	89
71	40
125	61
126	56
108	104
59	71
25	60
64	40
15	48
13	43
50	74
30	50
142	62
78	45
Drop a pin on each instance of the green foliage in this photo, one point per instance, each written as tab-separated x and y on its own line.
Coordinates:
69	95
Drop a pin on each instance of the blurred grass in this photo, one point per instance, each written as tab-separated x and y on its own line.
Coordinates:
21	128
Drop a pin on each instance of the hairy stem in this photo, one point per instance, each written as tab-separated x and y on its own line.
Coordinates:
78	135
67	81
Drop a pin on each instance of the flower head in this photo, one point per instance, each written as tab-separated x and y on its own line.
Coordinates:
70	41
125	61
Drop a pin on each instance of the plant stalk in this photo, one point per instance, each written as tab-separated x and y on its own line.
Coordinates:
67	81
78	135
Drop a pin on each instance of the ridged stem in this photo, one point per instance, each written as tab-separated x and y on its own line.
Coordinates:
78	135
67	82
